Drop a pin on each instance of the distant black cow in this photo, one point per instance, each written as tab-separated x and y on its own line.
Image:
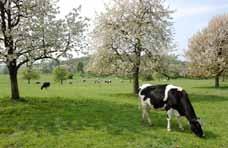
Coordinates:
83	80
71	82
37	82
45	85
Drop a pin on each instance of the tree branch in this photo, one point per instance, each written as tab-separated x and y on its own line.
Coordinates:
36	59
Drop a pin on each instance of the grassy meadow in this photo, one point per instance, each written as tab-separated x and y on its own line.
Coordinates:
88	115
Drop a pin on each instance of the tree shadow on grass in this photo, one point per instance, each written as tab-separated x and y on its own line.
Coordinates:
207	98
57	115
193	97
213	88
210	135
123	95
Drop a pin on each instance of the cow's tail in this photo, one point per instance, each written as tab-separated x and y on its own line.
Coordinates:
139	90
139	99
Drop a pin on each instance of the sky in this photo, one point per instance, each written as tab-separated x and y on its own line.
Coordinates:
189	17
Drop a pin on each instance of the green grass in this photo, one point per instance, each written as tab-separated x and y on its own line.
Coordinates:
88	115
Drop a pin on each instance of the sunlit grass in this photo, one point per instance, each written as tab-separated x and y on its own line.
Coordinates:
100	115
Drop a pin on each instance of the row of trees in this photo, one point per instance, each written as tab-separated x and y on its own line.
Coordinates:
48	67
60	74
133	36
208	50
30	31
167	67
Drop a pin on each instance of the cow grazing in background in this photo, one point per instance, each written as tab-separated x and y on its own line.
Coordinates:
45	85
97	81
37	82
174	100
108	81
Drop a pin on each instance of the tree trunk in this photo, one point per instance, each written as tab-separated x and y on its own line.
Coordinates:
217	81
28	81
14	84
61	81
217	78
223	76
135	79
136	66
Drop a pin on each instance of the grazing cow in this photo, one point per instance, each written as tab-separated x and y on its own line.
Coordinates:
37	82
97	81
45	85
108	81
174	100
71	82
83	80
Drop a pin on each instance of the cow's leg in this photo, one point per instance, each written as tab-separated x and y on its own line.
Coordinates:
145	115
140	103
148	117
178	120
169	117
179	123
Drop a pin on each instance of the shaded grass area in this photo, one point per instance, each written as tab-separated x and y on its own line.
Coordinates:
87	115
64	114
212	88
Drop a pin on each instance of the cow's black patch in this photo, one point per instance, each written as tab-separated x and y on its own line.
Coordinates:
156	94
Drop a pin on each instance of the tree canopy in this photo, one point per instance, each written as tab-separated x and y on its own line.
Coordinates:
30	30
129	30
30	74
60	74
208	49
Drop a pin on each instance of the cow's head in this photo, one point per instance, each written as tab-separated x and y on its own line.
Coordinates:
196	127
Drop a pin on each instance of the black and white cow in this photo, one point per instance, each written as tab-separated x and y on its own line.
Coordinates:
171	98
108	81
